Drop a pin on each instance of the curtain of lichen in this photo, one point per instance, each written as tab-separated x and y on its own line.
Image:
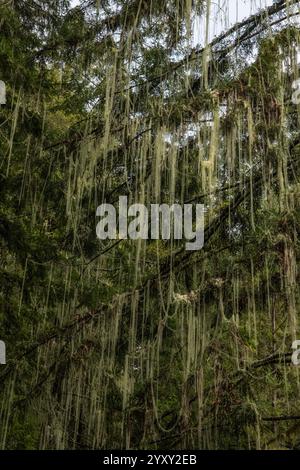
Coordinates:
155	347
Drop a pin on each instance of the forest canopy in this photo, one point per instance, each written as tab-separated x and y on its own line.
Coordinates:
141	344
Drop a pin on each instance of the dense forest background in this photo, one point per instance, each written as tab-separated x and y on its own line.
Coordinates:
142	344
